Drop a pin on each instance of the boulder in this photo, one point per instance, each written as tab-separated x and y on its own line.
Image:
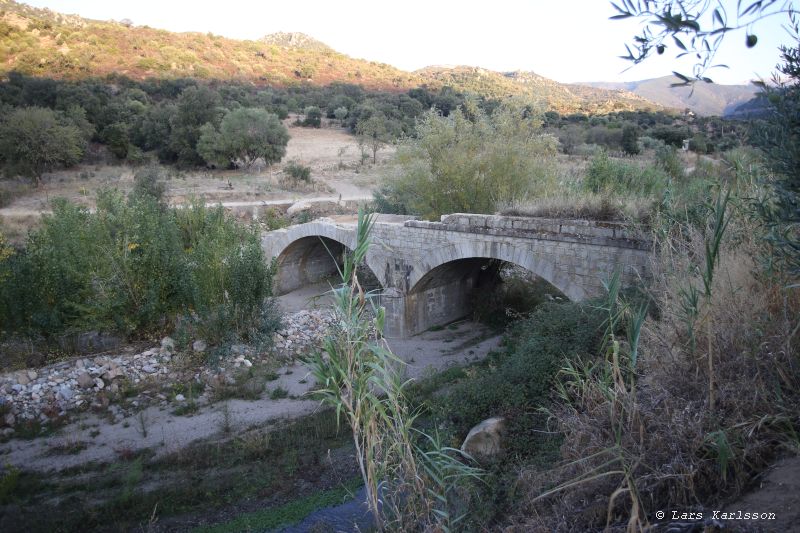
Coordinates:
85	381
484	441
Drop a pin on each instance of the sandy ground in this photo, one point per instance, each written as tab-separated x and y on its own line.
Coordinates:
158	429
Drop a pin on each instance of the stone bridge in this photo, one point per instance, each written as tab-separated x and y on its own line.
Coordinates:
429	270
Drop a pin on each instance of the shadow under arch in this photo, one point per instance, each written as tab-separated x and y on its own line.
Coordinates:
312	259
452	289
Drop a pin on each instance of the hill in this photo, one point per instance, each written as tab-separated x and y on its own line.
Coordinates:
44	43
703	98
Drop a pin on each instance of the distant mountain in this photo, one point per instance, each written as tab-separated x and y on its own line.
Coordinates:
41	42
702	98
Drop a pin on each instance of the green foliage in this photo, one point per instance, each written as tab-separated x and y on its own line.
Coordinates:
196	107
472	162
35	140
298	171
630	140
668	160
147	182
780	138
245	136
313	118
134	265
524	377
624	178
374	133
340	113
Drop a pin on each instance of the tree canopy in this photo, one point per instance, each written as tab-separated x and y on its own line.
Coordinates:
35	140
245	135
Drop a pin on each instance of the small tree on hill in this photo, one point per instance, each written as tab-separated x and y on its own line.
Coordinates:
35	140
244	136
374	133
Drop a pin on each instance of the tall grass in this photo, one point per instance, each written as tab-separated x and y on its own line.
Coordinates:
411	480
689	401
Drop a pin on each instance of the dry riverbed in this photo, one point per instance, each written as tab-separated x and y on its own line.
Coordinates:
249	417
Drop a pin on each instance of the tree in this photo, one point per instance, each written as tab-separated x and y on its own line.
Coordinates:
313	117
340	113
630	139
35	140
244	136
471	162
196	107
780	139
374	133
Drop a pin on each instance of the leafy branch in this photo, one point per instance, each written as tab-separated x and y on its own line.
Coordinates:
696	28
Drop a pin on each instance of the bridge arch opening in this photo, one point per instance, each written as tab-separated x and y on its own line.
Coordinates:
481	288
313	259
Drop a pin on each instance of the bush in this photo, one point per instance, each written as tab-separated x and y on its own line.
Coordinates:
538	346
134	266
668	160
607	175
147	182
472	162
36	140
298	171
313	117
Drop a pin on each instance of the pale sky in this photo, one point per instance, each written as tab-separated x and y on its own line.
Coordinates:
565	40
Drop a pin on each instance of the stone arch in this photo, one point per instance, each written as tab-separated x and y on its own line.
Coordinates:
308	253
524	257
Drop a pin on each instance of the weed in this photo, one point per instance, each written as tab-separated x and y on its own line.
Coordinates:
67	447
278	393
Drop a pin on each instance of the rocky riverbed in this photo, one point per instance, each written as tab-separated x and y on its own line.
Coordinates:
142	377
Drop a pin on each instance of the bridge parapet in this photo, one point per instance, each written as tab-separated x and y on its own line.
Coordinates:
599	233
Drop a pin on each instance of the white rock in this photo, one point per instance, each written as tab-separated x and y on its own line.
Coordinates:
167	345
247	363
199	346
99	383
180	398
65	393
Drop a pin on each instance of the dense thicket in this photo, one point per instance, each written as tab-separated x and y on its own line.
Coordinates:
134	266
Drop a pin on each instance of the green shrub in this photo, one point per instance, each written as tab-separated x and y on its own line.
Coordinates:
667	159
606	175
538	346
148	182
298	171
313	117
133	266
